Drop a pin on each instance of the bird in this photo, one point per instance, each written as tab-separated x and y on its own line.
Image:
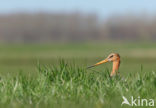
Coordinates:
113	57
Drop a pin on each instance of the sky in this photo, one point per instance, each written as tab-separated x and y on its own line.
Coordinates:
100	7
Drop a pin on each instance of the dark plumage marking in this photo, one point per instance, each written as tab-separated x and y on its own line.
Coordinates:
111	56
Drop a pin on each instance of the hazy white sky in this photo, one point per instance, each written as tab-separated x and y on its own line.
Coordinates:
101	7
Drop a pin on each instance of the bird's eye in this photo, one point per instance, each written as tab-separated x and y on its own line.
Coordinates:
111	56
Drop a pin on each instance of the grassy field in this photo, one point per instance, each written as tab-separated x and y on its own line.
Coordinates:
56	76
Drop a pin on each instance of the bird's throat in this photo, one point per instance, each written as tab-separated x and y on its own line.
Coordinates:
115	69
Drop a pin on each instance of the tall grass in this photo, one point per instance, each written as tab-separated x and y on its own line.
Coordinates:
68	85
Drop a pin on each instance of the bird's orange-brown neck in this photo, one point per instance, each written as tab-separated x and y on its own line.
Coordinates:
116	65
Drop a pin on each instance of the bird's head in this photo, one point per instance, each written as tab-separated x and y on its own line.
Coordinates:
111	58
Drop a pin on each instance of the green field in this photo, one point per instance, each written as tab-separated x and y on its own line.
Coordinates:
55	75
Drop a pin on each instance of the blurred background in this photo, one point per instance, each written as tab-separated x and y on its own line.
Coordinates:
79	31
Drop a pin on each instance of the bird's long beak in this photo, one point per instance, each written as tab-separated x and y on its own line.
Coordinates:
101	62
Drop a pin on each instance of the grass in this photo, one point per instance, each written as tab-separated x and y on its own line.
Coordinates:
68	85
24	57
25	83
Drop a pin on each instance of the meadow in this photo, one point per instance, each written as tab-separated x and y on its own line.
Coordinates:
55	75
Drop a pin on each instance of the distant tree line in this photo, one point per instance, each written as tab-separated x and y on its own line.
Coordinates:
74	27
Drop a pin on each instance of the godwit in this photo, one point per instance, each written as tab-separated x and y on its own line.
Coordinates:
113	57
